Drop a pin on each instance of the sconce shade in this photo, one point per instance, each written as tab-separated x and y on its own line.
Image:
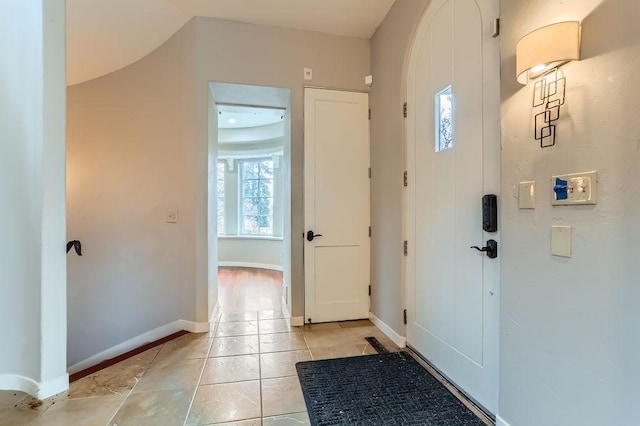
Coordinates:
545	48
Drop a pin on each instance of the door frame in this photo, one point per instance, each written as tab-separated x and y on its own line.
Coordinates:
491	182
252	95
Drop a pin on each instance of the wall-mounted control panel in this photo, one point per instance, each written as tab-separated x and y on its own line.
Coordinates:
490	213
573	189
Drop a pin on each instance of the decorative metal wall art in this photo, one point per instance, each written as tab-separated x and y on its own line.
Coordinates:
548	93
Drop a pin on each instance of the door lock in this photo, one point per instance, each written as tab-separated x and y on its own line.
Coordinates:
491	249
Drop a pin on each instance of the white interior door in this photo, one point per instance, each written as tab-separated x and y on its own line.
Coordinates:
453	159
336	264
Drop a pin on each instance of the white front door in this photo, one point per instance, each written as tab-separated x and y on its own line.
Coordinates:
336	194
453	159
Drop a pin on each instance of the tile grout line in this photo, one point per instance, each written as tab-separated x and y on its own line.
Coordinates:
204	365
304	336
260	370
134	386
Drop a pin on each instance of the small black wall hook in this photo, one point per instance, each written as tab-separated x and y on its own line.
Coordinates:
77	246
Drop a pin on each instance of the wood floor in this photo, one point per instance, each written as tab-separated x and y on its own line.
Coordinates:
249	289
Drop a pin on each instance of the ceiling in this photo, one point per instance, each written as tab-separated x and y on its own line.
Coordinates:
240	116
106	35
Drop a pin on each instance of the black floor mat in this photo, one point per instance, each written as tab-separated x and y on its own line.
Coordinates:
383	389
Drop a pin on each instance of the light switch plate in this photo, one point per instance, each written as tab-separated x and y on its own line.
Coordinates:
575	188
561	240
308	74
527	195
172	216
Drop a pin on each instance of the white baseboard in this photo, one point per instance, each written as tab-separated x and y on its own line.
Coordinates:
140	340
501	422
19	383
297	321
53	387
399	340
40	390
251	265
194	327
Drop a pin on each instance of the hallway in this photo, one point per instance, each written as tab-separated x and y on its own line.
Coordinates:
241	373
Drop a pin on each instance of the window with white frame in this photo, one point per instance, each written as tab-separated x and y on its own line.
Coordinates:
256	196
220	181
444	119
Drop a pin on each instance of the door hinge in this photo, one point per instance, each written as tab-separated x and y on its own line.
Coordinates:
406	247
369	113
369	289
369	172
495	28
404	316
404	110
406	179
369	232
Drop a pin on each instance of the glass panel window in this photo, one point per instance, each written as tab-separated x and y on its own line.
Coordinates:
257	197
220	190
444	119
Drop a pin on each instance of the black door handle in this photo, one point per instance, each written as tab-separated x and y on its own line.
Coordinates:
491	249
311	235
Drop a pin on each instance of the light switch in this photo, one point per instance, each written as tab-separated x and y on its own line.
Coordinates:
527	195
368	80
172	216
308	74
561	240
576	188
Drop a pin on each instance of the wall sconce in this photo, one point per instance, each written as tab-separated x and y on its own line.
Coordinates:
539	54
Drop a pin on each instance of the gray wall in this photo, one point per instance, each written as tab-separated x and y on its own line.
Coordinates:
130	159
138	146
569	327
262	251
389	50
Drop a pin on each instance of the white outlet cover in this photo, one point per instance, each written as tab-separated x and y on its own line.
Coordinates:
561	237
527	195
172	216
581	188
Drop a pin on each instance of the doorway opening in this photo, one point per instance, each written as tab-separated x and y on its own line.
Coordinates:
250	196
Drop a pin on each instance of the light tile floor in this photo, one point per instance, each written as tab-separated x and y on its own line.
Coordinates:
240	373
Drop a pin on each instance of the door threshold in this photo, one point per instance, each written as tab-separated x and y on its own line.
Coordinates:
483	414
